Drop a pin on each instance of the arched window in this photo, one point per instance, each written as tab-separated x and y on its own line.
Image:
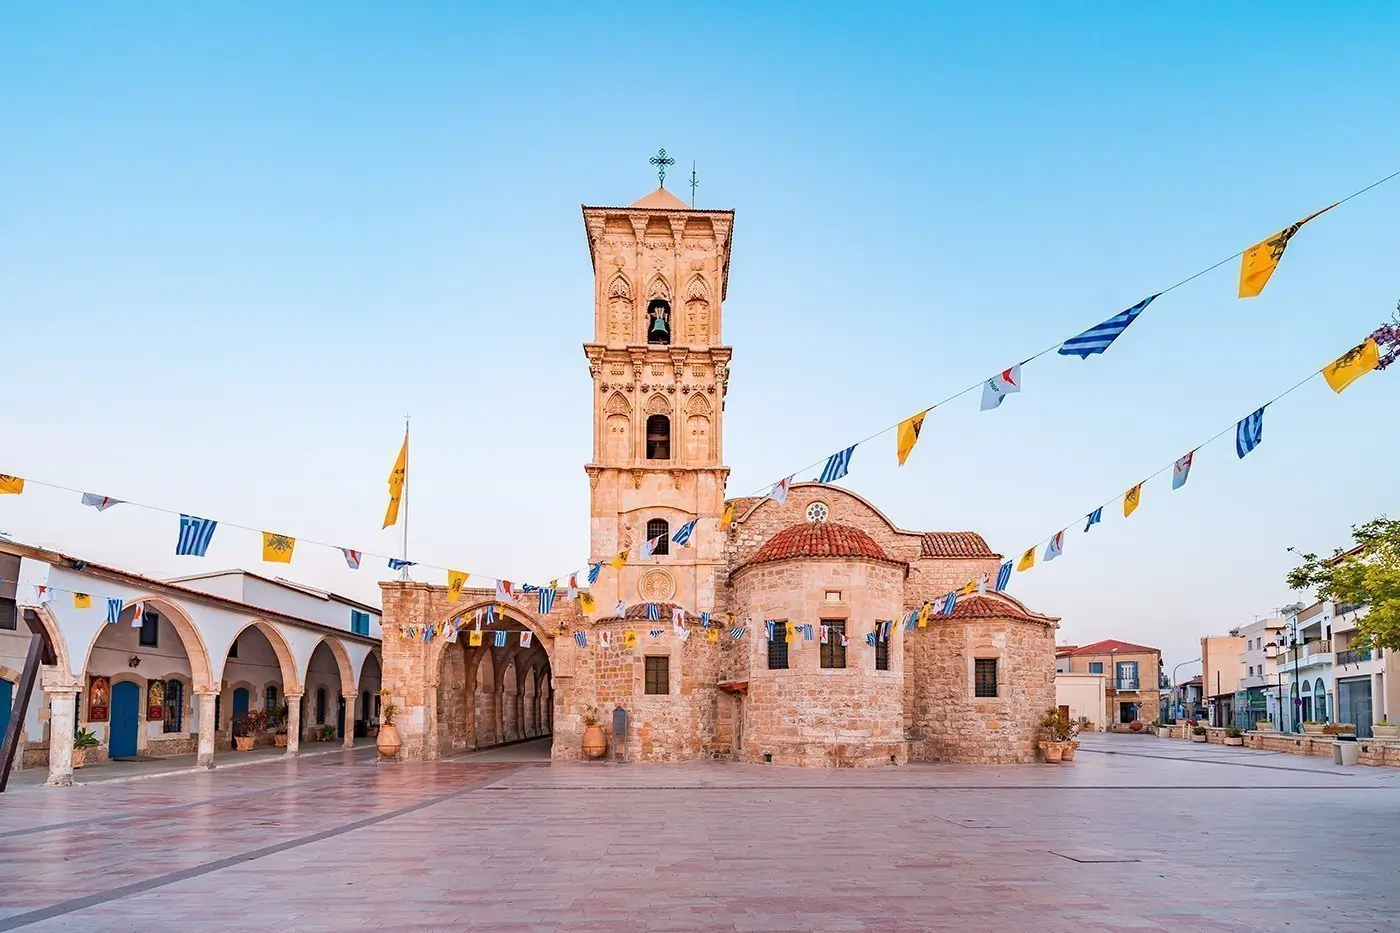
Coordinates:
658	437
270	697
320	706
659	526
658	321
1320	701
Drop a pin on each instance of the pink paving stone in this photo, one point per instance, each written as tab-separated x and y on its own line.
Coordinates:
1220	840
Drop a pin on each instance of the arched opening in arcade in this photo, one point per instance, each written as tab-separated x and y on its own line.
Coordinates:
492	690
369	705
329	691
259	681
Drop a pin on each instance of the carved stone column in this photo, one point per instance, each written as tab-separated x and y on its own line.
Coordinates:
204	758
62	721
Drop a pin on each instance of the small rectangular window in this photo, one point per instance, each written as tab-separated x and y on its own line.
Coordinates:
174	706
150	630
778	648
359	622
270	699
9	617
833	653
985	677
1095	667
833	596
658	676
882	654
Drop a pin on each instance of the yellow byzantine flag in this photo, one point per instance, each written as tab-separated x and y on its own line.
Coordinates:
618	561
456	579
923	616
970	588
725	520
396	481
712	634
277	549
1027	560
11	485
1262	258
82	601
1131	499
1352	365
586	602
791	631
474	639
908	434
629	639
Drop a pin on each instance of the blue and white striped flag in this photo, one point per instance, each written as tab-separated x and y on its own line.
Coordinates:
683	533
396	564
911	622
807	633
704	620
770	627
1092	519
593	573
546	601
656	633
885	629
737	632
837	465
653	612
581	639
1004	576
1097	338
114	610
489	615
501	638
870	639
949	602
195	535
1249	432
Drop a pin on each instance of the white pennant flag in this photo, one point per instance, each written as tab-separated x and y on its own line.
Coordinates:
997	388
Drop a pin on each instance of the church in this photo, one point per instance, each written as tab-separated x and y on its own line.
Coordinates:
758	638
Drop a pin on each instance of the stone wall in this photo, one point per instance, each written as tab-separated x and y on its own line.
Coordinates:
807	715
945	722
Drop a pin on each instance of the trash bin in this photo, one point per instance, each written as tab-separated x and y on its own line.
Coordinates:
1345	751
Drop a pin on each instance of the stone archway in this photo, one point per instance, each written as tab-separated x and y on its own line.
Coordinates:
328	686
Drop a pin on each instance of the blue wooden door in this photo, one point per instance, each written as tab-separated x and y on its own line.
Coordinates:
126	703
240	703
7	700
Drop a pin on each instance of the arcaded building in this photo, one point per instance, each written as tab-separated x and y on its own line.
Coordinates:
801	583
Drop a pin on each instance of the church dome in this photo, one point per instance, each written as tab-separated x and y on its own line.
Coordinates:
819	539
661	199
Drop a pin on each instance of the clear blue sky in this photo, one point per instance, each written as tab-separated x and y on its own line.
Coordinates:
238	244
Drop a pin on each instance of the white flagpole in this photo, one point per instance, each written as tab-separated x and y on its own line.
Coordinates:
403	573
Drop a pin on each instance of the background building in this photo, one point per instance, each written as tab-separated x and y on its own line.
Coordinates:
1131	678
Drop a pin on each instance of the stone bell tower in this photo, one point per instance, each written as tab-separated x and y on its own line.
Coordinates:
660	371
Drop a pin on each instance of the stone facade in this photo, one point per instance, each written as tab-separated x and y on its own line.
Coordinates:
826	558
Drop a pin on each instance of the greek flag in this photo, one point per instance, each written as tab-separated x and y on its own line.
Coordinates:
807	633
769	626
870	639
114	610
949	601
546	601
501	638
593	573
885	629
195	535
683	533
581	639
653	612
837	465
396	564
656	633
528	588
912	622
737	632
1092	519
1097	338
1249	432
490	615
704	620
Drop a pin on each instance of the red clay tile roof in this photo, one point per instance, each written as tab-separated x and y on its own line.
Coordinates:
1113	644
1062	651
818	539
992	607
954	544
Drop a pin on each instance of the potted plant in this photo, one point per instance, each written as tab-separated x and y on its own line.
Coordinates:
1314	727
83	739
1384	729
247	727
1264	725
1059	744
277	721
1085	725
594	743
388	741
1234	735
1164	731
326	732
1198	733
1135	725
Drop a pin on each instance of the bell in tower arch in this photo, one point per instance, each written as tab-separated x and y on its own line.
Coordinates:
659	321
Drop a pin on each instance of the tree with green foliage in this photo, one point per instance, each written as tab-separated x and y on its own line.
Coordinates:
1367	574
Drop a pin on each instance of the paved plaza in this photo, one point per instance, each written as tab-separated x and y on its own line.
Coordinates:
1137	834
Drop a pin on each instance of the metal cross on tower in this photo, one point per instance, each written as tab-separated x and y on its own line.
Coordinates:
694	183
661	160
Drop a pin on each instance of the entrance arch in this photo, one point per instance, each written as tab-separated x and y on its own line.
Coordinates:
328	669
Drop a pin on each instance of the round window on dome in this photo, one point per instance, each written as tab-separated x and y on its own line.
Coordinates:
818	512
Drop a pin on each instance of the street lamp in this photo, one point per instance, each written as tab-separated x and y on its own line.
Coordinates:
1290	628
1175	682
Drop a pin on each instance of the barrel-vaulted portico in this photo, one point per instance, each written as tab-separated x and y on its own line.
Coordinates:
156	669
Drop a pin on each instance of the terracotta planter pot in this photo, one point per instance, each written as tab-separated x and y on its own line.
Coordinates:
280	739
79	757
1314	728
1199	738
1386	732
1264	725
1068	753
1135	725
388	741
1054	752
1237	741
1164	732
594	744
244	743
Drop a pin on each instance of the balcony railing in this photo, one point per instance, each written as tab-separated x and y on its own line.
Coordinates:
1353	655
1126	683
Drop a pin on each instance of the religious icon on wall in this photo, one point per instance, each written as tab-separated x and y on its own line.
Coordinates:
99	691
155	701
